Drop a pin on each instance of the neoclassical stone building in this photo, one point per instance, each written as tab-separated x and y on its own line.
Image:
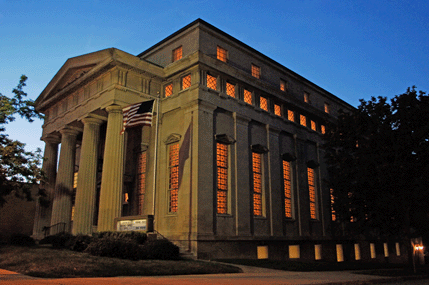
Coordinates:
232	165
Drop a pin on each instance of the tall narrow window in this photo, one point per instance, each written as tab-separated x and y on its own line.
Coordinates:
306	97
303	120
256	71
257	184
312	193
247	96
277	110
211	82
230	89
322	129
313	125
327	108
141	181
287	188
174	177
186	81
263	103
168	90
222	178
177	53
283	85
290	115
333	214
222	54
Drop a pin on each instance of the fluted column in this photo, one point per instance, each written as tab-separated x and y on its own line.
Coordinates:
87	177
43	212
62	205
113	169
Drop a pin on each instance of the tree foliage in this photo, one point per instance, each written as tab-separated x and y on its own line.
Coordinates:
378	160
19	169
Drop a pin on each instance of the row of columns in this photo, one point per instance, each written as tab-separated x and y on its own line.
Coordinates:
111	180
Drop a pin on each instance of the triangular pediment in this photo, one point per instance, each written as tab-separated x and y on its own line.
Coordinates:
72	75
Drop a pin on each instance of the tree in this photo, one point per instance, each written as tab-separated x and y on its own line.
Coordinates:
378	160
19	169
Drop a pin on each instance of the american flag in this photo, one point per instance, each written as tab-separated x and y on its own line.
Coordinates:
139	114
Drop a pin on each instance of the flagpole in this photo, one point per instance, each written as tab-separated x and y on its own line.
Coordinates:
155	156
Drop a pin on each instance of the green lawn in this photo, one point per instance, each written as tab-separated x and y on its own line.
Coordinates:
52	263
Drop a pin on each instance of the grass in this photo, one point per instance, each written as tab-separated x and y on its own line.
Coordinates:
370	268
53	263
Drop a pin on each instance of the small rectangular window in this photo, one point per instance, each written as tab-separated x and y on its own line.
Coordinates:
313	125
230	89
177	53
222	54
186	82
247	96
303	120
211	82
322	129
277	110
291	115
327	108
263	103
168	90
283	85
256	71
306	97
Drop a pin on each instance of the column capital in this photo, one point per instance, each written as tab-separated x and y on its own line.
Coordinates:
72	131
92	120
51	138
114	109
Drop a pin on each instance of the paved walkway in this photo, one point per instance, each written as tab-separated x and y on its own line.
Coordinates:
250	275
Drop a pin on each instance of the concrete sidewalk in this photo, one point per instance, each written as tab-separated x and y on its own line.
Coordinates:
250	275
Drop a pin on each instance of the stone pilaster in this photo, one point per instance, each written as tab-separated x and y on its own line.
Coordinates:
113	169
87	177
43	213
62	204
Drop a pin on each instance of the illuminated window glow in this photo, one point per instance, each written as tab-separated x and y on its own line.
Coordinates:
141	181
313	125
230	89
283	85
322	129
222	177
303	120
168	90
186	81
327	108
312	193
177	53
290	115
211	82
257	184
333	214
247	96
222	54
277	110
174	177
256	71
287	189
306	97
75	180
263	103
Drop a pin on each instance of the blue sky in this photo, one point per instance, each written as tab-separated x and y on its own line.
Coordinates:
353	49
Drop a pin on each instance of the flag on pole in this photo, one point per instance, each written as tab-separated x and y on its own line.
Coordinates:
139	114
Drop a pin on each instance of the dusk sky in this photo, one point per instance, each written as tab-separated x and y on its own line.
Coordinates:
353	49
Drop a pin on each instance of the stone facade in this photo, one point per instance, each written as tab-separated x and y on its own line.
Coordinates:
212	167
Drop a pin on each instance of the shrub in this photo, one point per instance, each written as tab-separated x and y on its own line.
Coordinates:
136	237
79	243
160	249
114	247
21	240
58	240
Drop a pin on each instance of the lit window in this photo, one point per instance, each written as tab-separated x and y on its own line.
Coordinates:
141	181
306	97
257	184
287	189
177	53
290	115
327	108
263	103
211	82
277	110
313	125
283	85
222	177
247	96
230	89
333	214
186	81
222	54
322	129
312	193
303	120
75	180
168	90
173	177
256	71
